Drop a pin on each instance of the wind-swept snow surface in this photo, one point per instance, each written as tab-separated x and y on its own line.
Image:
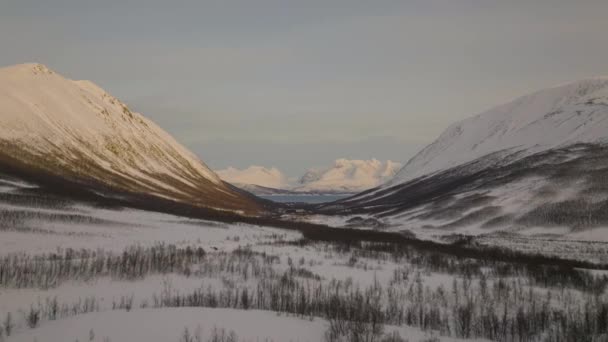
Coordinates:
162	325
77	131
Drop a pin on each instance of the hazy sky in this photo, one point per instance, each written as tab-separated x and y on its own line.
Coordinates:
296	84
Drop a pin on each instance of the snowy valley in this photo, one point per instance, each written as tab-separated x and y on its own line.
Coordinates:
112	231
81	271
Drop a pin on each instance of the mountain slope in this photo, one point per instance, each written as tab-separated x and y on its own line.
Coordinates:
537	165
347	176
546	119
79	133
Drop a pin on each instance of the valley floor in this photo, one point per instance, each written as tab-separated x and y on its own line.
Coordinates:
74	272
40	302
585	245
204	324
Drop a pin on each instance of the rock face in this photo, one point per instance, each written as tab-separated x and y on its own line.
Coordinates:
74	130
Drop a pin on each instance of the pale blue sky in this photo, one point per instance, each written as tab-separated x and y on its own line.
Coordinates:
296	84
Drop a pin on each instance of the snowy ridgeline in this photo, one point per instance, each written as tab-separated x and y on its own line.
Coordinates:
77	131
74	272
550	118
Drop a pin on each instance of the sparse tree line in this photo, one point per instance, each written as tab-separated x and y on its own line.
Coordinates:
501	310
579	213
35	199
16	218
550	276
223	335
499	301
217	335
49	310
50	270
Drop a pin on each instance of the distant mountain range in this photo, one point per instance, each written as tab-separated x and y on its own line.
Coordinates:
536	165
344	176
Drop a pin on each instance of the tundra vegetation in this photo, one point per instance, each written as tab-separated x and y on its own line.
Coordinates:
441	293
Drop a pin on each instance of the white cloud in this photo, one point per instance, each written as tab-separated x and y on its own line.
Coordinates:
344	175
255	175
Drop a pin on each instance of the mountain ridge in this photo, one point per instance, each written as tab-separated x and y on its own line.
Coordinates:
78	131
552	107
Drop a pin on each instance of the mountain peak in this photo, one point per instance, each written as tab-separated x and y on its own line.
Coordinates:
28	68
77	131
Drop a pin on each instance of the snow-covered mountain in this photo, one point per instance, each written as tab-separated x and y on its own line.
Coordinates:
255	175
346	176
558	116
536	165
77	132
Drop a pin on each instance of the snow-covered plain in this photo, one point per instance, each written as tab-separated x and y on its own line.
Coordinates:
162	325
238	258
168	324
112	231
125	228
311	264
